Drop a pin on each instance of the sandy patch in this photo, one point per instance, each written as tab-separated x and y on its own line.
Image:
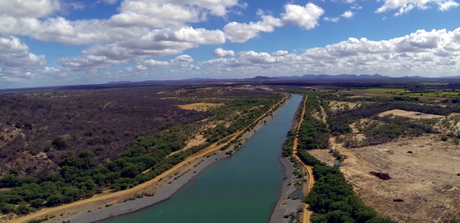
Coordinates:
425	179
200	106
336	105
168	98
8	134
409	114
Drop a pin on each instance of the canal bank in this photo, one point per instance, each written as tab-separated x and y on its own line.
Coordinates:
185	176
290	197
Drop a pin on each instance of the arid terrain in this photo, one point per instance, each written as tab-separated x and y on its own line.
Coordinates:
425	179
405	174
54	146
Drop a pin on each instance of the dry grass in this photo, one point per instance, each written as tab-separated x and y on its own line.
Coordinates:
200	106
410	114
336	105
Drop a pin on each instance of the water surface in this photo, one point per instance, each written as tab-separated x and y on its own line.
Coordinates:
240	189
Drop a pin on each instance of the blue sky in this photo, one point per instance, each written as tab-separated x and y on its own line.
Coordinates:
66	42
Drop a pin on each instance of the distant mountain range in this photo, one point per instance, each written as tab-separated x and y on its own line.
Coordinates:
307	77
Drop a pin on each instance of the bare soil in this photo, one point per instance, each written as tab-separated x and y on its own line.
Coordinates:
426	179
410	114
336	105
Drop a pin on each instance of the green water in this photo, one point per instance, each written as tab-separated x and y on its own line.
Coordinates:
240	189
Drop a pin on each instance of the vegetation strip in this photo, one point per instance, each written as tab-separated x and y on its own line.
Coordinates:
310	181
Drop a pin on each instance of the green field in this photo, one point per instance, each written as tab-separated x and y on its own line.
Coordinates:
385	90
409	93
436	94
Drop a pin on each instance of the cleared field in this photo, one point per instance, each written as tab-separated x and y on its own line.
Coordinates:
336	105
385	90
436	94
425	180
409	114
200	106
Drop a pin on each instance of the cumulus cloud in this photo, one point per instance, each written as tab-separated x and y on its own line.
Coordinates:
135	18
348	14
219	52
423	52
183	59
191	35
280	53
29	8
17	63
242	32
159	42
406	6
304	16
14	53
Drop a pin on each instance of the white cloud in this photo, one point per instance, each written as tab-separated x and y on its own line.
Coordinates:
191	35
348	14
17	63
219	52
153	43
333	19
29	8
155	14
280	53
135	19
183	59
108	2
242	32
446	5
14	53
304	16
404	6
425	53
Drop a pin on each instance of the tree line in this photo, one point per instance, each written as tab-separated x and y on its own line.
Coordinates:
313	133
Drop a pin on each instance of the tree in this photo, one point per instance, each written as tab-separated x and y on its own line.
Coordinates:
23	208
54	200
60	143
6	208
37	203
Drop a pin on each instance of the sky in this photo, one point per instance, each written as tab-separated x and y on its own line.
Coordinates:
71	42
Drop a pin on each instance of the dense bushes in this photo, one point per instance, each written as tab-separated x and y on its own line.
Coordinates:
79	177
313	134
288	144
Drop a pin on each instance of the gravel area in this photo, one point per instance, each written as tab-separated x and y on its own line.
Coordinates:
165	191
286	206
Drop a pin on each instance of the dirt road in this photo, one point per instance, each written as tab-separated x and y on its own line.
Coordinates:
307	187
122	195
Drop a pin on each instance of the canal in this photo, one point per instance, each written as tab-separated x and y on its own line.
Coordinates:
242	188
